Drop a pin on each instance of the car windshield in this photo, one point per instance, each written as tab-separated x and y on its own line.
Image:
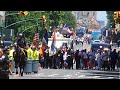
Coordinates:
7	43
98	46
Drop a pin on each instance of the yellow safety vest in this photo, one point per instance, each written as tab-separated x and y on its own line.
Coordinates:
11	55
29	54
35	55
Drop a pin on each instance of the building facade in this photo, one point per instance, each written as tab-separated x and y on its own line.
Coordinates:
80	15
2	18
101	24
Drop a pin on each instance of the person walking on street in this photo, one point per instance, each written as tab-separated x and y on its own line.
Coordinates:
99	59
105	59
118	61
113	59
77	59
85	59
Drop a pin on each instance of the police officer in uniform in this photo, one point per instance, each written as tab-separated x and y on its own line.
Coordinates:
21	41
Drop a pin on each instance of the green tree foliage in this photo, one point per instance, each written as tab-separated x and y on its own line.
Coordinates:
110	18
53	18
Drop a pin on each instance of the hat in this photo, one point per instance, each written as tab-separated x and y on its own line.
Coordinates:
20	34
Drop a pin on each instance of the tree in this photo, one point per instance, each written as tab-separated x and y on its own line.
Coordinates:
110	18
53	18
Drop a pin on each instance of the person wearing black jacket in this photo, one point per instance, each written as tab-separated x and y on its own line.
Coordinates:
61	59
113	59
21	41
77	59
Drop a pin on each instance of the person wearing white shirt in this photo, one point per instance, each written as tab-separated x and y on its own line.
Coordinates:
65	55
99	59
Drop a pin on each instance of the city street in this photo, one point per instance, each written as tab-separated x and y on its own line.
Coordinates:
70	74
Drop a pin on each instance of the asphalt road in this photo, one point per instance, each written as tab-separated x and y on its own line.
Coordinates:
70	74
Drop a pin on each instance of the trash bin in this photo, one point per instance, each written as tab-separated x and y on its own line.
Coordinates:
13	66
28	67
35	64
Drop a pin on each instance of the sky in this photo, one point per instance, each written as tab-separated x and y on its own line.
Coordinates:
101	15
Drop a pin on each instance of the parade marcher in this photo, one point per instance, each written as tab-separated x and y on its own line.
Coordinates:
65	55
61	59
105	59
118	61
99	59
77	59
113	59
29	52
46	57
91	55
85	59
35	54
80	54
70	59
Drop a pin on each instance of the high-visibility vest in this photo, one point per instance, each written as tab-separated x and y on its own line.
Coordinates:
11	55
35	55
29	54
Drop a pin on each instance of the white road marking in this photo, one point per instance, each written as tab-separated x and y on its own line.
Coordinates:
76	74
67	75
81	76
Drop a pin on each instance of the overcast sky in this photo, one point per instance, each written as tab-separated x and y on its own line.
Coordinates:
101	15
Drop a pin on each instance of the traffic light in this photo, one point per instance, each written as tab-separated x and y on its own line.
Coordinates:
115	16
43	20
118	14
23	13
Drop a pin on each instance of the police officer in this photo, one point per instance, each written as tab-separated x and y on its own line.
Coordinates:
4	63
21	41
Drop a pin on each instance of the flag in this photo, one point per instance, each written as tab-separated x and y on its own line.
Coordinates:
36	37
45	38
53	48
41	51
66	28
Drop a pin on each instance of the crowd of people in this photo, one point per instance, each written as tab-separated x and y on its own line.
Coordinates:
63	58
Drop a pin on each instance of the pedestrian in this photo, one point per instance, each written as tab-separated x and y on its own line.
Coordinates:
85	59
65	55
46	57
61	59
99	59
77	59
91	55
105	59
35	54
113	59
118	61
